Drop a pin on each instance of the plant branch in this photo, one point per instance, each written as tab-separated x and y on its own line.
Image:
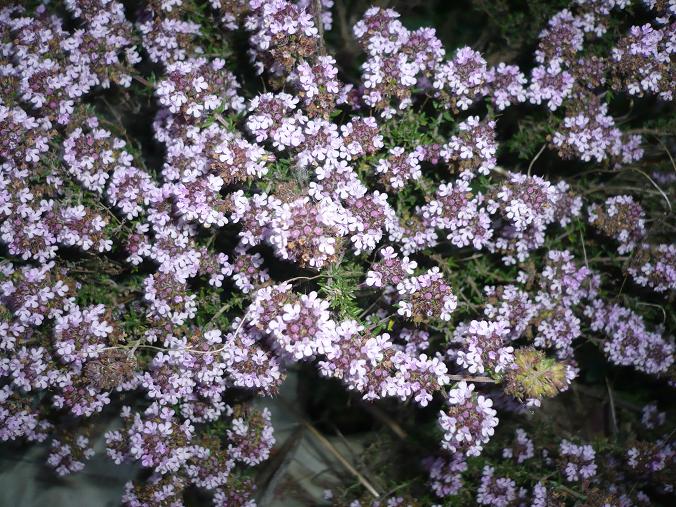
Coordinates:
331	448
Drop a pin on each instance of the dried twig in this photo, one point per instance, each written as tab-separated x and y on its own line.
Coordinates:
320	25
613	414
384	418
331	448
655	185
479	379
142	80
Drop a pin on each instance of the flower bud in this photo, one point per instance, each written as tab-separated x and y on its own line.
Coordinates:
535	375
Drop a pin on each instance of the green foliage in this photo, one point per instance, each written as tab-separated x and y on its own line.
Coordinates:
410	129
518	22
339	287
533	132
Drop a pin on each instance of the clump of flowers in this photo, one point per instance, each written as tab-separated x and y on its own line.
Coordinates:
390	269
470	421
68	456
483	346
426	297
462	80
204	203
629	341
283	34
622	219
446	474
522	449
654	266
578	461
377	367
641	44
499	491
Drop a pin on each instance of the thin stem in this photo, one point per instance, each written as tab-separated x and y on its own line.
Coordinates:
613	414
142	80
655	185
371	306
221	120
532	162
664	313
571	492
666	149
137	344
484	380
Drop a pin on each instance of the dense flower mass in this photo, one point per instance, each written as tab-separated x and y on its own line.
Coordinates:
470	421
201	200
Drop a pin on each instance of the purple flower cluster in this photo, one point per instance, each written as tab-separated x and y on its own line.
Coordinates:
165	35
641	61
155	438
249	362
445	474
455	210
189	375
54	68
651	458
282	35
393	65
193	87
654	266
300	325
250	437
318	86
589	133
24	138
390	270
629	342
506	85
426	297
473	149
495	491
20	420
563	288
526	204
522	449
68	457
307	232
377	367
399	60
565	79
462	80
578	461
399	168
551	85
484	346
158	489
469	422
620	218
81	334
651	417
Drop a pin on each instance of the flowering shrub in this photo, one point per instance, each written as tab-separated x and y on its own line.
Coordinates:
201	199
